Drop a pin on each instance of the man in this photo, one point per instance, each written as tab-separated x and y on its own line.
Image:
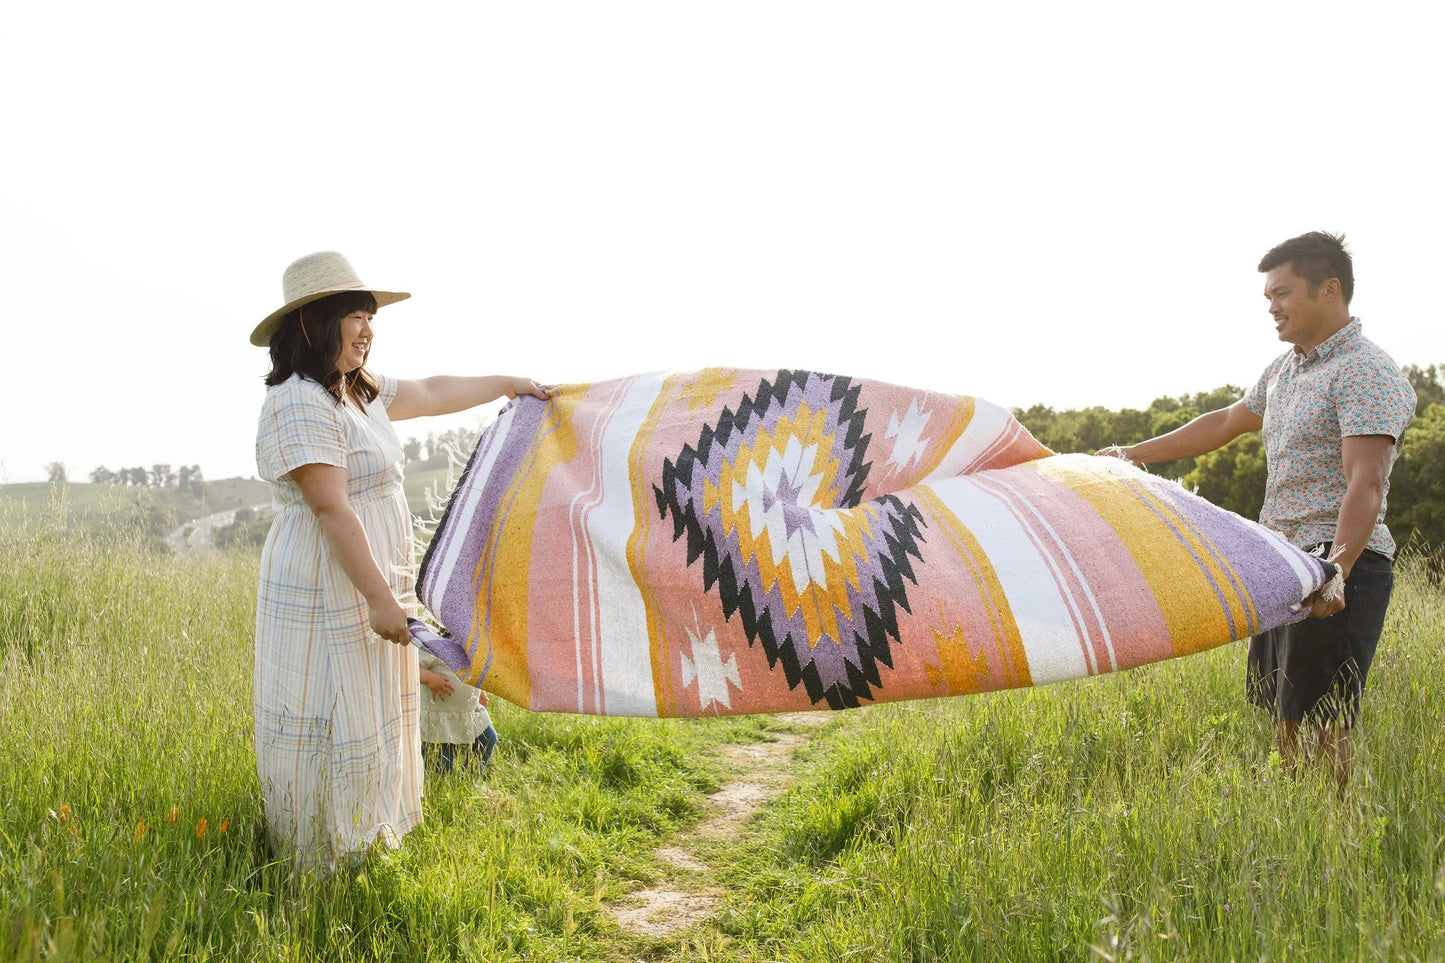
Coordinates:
1333	409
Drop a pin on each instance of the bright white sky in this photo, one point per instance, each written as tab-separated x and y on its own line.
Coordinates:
1032	203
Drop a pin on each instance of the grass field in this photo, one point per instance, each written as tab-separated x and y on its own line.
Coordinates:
1138	816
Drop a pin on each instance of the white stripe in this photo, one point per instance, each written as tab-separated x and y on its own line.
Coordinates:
1309	579
1045	622
988	424
626	649
1078	574
440	576
587	499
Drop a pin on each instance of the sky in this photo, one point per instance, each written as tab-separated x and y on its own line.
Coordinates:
1032	203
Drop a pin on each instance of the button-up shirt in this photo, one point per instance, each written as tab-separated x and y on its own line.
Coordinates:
1310	402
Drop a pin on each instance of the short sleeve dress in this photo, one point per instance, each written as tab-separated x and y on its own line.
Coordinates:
338	750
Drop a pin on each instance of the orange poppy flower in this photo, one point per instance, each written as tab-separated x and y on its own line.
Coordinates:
140	830
224	823
175	811
201	827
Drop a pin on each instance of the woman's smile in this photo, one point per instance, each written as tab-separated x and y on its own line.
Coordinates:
355	341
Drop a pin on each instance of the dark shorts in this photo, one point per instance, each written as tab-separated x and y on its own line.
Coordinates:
1316	669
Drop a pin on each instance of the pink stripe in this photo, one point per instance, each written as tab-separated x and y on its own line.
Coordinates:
1132	613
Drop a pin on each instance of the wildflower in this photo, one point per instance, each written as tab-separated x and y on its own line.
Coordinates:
224	823
140	830
64	814
201	827
1226	907
175	811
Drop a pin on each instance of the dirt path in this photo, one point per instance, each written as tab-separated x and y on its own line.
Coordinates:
194	537
690	893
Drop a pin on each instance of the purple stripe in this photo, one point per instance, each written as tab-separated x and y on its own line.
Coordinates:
528	414
1253	554
1138	490
1215	526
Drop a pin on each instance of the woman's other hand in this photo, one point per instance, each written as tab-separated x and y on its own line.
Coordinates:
389	621
437	683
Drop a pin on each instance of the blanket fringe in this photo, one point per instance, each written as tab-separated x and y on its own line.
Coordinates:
1334	589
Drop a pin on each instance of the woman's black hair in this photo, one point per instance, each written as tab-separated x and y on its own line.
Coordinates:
308	343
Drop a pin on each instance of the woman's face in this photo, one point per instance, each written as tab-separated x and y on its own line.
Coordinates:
355	341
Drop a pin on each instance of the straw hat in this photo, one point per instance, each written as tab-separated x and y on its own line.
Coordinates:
312	278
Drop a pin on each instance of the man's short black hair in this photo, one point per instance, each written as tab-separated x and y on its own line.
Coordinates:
1316	257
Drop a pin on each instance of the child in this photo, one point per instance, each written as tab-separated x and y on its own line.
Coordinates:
452	714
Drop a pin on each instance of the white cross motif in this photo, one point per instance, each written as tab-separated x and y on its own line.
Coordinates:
908	445
711	673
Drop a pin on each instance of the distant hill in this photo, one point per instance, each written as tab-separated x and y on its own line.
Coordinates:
166	514
419	482
85	497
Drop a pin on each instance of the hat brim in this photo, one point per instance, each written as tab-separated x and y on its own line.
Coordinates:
261	337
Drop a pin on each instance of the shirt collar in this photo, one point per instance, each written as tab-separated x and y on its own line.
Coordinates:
1320	352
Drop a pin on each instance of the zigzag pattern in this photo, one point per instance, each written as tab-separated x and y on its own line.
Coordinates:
841	670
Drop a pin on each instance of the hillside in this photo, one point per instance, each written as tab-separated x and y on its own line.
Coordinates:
163	507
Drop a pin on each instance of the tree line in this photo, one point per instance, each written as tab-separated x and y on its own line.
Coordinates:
187	479
432	452
1233	477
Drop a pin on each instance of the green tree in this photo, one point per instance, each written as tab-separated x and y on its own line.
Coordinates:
1429	385
1232	477
1417	485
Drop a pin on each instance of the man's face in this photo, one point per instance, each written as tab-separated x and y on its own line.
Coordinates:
1300	318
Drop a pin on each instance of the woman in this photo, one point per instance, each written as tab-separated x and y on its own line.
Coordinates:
337	744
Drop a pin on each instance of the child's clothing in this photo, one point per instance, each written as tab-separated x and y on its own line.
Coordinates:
458	719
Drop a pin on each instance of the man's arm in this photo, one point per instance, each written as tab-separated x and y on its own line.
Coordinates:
1367	465
1209	431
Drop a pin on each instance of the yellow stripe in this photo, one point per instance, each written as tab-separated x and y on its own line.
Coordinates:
1188	602
1005	627
1236	595
505	593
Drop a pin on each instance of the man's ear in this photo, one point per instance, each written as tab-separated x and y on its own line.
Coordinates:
1330	290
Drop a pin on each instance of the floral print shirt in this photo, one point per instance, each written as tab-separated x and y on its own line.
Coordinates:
1310	402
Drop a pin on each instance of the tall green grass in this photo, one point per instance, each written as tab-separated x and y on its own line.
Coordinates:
132	826
1138	816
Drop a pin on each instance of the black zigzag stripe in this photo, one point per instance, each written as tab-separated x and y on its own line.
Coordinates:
902	537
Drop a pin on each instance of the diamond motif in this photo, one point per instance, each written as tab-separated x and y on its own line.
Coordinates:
770	500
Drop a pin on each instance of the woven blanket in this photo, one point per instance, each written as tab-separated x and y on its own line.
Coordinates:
733	541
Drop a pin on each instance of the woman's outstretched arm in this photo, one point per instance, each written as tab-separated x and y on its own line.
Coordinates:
445	394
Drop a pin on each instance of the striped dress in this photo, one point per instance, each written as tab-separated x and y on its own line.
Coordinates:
337	746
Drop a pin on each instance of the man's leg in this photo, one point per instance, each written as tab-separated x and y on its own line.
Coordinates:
1337	752
1324	665
1286	740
